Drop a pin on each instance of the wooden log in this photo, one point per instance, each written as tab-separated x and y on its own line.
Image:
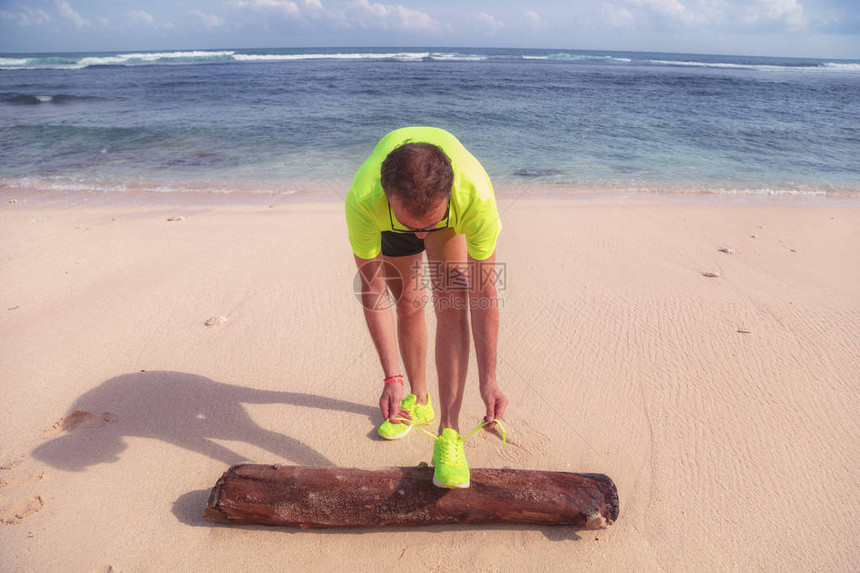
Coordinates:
343	497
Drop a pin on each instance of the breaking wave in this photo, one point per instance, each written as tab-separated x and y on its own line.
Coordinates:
192	57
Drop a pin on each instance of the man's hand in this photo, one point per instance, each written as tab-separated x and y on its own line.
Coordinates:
389	403
496	403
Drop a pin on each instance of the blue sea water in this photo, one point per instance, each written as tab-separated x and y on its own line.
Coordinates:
278	120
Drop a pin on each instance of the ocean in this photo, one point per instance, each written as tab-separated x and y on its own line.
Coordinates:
541	121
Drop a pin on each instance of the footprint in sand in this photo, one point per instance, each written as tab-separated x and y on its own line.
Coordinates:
14	463
19	478
80	419
11	478
18	511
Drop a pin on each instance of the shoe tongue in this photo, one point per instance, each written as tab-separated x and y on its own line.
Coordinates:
408	402
450	433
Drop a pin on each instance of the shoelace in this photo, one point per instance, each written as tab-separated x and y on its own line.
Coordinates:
446	452
449	453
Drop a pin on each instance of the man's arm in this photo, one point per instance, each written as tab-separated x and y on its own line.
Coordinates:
485	331
380	323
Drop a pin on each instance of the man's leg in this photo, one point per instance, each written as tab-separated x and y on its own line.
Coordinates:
447	261
408	290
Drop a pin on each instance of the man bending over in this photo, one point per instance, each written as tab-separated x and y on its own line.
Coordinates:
421	190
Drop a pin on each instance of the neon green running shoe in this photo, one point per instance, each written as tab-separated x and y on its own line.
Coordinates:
450	469
422	414
449	461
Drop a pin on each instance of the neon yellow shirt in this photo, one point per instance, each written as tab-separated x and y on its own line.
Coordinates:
472	211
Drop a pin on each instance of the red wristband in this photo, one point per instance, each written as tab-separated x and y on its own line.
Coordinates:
393	379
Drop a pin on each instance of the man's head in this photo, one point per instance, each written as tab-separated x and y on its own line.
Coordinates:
417	179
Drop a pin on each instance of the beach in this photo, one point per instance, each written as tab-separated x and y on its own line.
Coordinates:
725	407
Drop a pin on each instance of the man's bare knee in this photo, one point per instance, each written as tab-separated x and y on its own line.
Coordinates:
410	306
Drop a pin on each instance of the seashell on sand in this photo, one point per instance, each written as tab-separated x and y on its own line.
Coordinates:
727	250
179	218
711	274
216	320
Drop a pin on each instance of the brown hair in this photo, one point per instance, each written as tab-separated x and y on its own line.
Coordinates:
419	174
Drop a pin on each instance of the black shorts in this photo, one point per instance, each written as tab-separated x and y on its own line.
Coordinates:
401	244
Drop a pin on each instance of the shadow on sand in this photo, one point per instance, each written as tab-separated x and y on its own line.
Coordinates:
182	409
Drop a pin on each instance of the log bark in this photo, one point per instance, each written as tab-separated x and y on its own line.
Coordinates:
344	497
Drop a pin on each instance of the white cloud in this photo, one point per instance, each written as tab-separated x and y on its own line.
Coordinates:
671	9
303	12
208	20
286	7
715	12
618	16
27	17
366	14
726	15
143	19
771	11
67	12
140	18
487	22
533	20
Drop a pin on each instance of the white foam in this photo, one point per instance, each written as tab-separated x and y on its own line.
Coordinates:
278	57
196	54
768	191
338	56
37	64
713	65
412	57
828	66
457	57
694	189
834	66
53	67
150	57
61	184
577	57
102	61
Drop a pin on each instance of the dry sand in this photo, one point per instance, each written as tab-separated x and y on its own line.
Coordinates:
725	408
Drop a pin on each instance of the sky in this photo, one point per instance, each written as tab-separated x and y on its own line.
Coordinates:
791	28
